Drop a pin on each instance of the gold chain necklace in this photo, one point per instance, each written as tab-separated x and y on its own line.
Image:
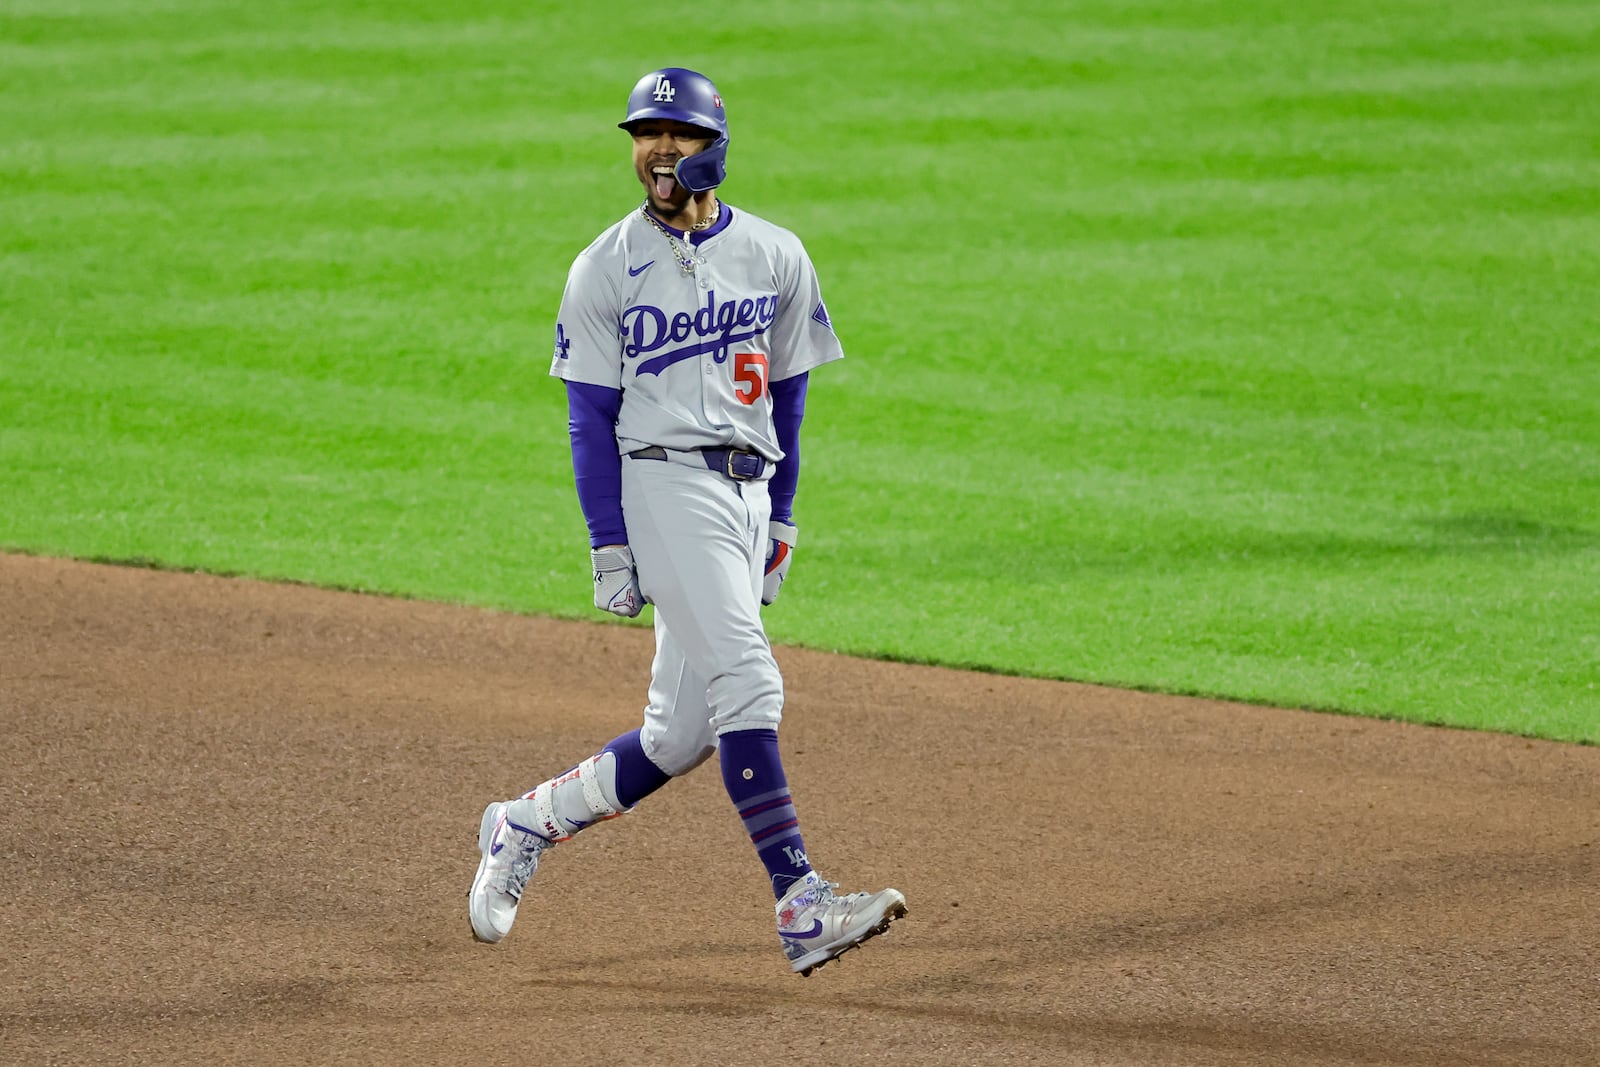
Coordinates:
682	250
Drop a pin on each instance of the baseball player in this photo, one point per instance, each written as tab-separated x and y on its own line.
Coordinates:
685	338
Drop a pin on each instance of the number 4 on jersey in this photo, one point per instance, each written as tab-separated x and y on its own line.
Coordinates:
749	368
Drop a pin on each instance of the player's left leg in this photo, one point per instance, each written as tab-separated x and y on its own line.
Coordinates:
814	925
695	535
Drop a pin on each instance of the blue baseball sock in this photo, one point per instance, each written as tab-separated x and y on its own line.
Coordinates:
637	777
753	775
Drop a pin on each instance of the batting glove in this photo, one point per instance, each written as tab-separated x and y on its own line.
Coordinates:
616	582
780	553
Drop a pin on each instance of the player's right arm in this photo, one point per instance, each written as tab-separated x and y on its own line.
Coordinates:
588	358
596	465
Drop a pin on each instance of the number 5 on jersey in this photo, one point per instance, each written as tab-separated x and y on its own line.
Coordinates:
749	368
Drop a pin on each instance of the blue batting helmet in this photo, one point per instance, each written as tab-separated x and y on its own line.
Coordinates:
685	96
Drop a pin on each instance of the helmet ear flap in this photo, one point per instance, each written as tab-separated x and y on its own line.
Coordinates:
704	170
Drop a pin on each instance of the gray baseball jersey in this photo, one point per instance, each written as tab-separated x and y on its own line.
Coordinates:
694	352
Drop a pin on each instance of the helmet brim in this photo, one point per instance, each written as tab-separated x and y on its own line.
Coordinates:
661	115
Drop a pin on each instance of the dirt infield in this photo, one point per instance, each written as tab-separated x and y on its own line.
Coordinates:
239	824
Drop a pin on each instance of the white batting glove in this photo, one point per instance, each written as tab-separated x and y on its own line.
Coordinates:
780	553
616	582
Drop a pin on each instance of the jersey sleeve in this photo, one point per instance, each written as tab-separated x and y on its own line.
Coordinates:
588	332
802	334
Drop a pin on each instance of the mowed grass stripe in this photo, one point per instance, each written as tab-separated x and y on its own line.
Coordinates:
1206	347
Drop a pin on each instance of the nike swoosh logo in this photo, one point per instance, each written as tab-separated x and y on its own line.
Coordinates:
813	932
634	272
494	849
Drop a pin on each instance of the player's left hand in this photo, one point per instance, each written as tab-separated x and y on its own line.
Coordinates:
780	553
616	582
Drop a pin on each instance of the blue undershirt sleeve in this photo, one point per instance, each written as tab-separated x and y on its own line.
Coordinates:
596	466
788	411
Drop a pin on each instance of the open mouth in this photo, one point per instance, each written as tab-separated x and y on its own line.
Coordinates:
665	181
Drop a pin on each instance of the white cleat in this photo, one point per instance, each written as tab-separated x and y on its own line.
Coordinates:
815	926
510	856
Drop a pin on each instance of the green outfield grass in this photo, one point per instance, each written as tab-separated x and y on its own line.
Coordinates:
1243	349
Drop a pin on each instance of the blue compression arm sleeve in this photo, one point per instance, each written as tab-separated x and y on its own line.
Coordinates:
788	411
596	465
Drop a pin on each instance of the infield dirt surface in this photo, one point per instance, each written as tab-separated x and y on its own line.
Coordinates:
240	822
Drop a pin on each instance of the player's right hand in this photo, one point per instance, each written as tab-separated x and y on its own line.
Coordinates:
616	581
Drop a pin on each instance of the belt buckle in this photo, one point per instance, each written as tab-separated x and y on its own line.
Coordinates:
742	466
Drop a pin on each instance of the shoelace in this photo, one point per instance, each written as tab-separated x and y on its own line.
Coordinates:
528	847
821	895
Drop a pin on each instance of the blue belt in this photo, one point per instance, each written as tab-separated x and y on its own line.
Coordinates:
738	465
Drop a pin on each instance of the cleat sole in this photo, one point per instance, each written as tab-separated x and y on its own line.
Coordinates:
485	837
896	912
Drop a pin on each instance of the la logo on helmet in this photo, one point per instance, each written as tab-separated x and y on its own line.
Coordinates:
664	90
